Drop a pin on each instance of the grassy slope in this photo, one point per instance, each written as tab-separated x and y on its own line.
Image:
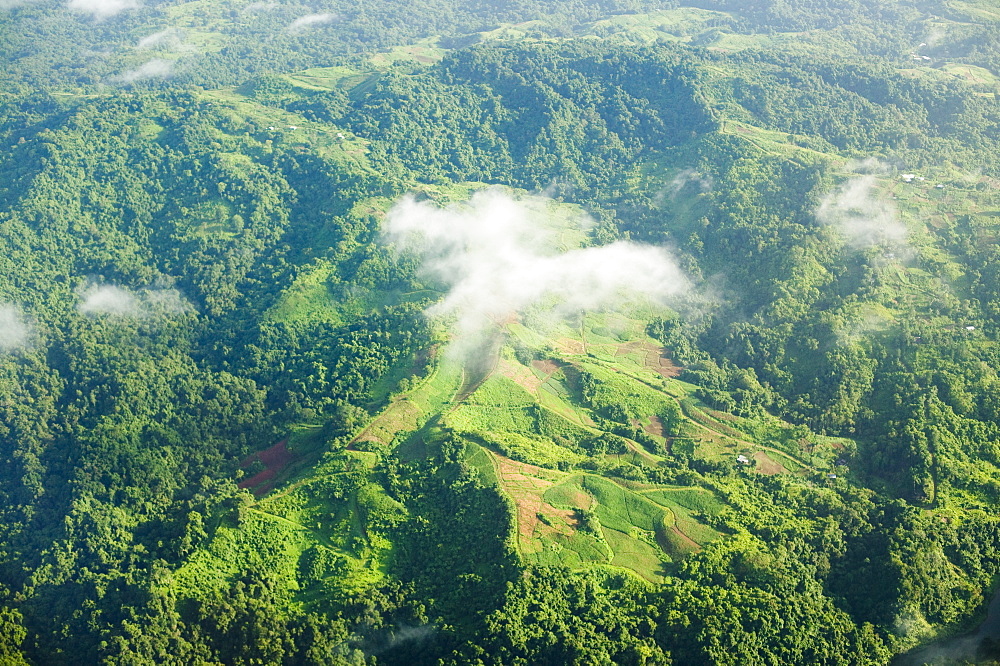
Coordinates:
641	527
645	528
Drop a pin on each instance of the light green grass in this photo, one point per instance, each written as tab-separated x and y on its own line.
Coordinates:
977	10
330	78
632	526
271	543
528	449
208	218
424	52
979	77
308	298
622	509
685	506
633	553
680	25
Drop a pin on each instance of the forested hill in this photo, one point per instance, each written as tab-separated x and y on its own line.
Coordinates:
616	332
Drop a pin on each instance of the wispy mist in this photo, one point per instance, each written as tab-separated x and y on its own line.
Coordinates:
862	215
15	331
689	181
157	68
495	257
171	38
868	165
109	300
11	4
310	20
690	177
101	9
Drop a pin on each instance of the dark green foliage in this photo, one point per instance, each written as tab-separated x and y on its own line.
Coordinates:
122	432
457	547
553	617
530	115
56	46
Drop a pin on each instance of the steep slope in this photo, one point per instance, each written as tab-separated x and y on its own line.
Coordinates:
233	433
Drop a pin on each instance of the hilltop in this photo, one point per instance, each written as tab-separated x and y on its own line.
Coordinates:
640	334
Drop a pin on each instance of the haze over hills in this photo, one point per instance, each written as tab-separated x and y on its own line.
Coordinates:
636	333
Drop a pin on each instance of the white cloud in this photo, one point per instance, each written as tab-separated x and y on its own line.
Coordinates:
101	9
110	300
11	4
15	331
311	20
170	38
152	69
165	301
106	299
865	218
492	255
682	180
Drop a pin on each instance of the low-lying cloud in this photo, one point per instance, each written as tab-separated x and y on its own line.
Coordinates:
863	216
310	20
15	331
687	177
170	38
110	300
11	4
492	255
687	181
101	9
157	68
868	165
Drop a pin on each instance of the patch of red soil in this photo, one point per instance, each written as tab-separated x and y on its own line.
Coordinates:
655	358
274	459
518	374
570	346
662	364
628	348
655	426
548	366
766	465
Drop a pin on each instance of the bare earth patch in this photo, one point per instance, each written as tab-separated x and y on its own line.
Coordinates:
519	374
655	358
570	346
525	485
655	426
526	490
401	415
766	465
275	459
547	367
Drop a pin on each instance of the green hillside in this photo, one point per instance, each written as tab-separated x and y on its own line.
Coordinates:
632	333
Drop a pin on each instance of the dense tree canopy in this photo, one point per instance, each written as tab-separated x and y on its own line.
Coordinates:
230	433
